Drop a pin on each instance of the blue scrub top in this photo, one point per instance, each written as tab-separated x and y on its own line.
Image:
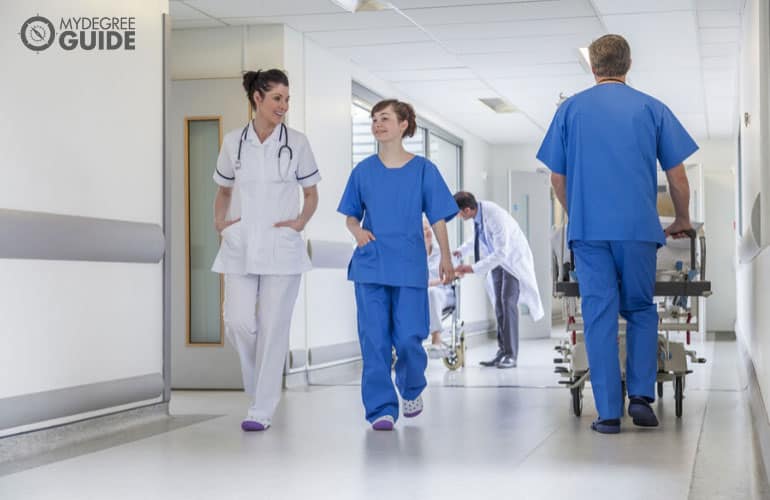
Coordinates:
391	201
606	140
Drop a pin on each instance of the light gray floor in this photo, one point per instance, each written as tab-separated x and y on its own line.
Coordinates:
484	432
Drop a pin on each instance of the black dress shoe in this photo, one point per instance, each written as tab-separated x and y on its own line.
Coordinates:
494	361
506	362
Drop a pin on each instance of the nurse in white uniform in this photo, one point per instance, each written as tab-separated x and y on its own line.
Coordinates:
262	255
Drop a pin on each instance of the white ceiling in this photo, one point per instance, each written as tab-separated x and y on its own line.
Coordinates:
684	52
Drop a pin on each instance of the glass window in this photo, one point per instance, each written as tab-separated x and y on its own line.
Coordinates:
204	287
446	156
416	143
364	144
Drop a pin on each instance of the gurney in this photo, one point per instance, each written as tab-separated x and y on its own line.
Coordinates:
680	282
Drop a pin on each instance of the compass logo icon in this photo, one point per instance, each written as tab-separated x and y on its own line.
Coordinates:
37	33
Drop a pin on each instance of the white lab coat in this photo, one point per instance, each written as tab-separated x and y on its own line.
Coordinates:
510	250
261	197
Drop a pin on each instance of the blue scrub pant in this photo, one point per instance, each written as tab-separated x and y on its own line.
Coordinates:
618	277
391	316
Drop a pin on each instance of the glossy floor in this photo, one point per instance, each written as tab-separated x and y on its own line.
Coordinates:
485	433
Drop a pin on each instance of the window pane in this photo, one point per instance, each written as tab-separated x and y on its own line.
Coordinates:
446	156
205	311
364	144
416	143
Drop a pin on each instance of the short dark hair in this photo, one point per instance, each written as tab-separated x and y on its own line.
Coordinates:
404	112
464	200
610	56
262	81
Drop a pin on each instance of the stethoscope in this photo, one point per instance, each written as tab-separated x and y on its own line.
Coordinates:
285	148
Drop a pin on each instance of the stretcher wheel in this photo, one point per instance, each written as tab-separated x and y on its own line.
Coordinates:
678	394
577	400
660	389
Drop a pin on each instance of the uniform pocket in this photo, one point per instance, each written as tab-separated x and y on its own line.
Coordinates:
232	240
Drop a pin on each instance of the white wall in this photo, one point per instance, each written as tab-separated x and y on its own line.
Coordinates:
520	158
718	158
81	134
753	289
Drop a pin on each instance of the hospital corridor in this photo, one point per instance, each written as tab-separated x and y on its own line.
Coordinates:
370	249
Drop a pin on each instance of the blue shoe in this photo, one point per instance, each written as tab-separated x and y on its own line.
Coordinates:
641	412
608	426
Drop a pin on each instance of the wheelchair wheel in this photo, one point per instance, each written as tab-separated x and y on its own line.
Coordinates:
456	357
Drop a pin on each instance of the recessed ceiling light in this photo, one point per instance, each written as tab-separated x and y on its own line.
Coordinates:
362	5
584	59
499	105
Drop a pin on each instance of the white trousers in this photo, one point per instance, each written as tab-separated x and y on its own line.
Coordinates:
439	297
257	315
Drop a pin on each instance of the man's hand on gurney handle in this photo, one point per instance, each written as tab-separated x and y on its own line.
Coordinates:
463	269
680	228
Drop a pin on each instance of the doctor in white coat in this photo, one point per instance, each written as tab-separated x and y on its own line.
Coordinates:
500	248
259	171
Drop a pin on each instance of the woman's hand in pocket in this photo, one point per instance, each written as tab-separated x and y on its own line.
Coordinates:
363	237
221	225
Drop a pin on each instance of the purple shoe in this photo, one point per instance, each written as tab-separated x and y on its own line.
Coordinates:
383	423
253	426
412	407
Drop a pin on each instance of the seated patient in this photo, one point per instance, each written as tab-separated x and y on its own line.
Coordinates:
439	296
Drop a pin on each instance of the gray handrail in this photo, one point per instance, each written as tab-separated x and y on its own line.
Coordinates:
40	235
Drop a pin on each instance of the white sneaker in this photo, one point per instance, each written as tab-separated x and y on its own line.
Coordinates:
412	407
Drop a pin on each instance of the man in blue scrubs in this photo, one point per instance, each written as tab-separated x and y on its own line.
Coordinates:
602	148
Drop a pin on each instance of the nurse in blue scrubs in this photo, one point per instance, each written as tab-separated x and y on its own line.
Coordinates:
602	148
384	201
